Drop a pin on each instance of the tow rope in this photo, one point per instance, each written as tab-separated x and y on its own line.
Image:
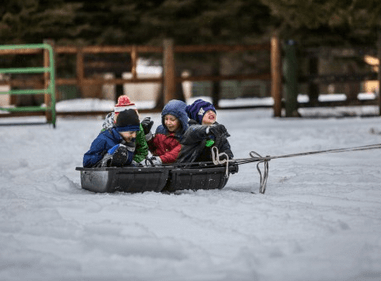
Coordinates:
256	157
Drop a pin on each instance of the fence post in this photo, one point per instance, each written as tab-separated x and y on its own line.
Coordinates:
47	79
379	69
134	59
276	76
169	70
80	70
290	68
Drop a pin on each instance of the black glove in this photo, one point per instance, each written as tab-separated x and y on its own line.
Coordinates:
219	131
119	155
147	125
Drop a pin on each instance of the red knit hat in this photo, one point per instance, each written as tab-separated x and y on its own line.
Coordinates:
124	103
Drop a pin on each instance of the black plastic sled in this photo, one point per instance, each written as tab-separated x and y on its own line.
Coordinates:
157	179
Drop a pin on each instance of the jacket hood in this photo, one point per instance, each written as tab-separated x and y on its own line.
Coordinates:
177	109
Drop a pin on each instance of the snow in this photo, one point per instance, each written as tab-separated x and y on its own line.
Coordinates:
318	220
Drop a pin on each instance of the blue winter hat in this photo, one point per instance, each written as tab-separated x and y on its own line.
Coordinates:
198	108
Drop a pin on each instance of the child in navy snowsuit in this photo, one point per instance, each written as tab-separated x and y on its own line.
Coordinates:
165	144
203	133
124	103
115	146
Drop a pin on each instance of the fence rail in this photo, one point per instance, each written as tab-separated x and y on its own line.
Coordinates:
168	79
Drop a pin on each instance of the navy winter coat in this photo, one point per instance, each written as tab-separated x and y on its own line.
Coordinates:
99	147
193	144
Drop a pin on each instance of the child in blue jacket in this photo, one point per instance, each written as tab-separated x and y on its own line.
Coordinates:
125	103
115	146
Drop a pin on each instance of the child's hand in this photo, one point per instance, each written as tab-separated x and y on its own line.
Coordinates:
218	131
153	161
115	147
120	155
147	125
156	160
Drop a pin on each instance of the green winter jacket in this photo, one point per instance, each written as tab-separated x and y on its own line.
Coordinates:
141	150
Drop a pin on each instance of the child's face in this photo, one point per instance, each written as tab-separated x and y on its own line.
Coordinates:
171	122
210	117
128	135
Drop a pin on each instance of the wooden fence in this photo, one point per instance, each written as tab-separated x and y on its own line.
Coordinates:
168	79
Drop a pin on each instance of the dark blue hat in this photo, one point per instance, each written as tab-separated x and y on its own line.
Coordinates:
127	120
198	108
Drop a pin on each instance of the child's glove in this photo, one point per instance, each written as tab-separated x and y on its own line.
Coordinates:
120	155
147	125
114	148
153	161
218	134
156	160
219	131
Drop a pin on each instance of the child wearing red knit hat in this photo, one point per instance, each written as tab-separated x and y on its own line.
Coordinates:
124	103
115	146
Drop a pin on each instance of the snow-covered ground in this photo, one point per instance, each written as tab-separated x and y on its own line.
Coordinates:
96	104
319	219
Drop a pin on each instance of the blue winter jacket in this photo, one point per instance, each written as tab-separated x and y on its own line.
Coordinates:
99	147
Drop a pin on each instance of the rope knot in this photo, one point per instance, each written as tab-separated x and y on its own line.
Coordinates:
218	161
262	177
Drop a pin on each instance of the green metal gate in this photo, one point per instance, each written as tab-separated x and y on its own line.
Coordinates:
49	108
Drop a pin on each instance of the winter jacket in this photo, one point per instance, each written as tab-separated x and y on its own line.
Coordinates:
141	150
99	147
166	144
193	144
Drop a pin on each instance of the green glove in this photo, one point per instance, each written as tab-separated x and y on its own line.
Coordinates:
209	143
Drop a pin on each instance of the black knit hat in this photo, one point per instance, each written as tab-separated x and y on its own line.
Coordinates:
128	120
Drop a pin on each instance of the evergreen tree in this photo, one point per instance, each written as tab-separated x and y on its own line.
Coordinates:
327	22
126	22
206	22
32	21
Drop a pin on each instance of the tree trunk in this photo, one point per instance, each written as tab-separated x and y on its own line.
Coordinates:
216	86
